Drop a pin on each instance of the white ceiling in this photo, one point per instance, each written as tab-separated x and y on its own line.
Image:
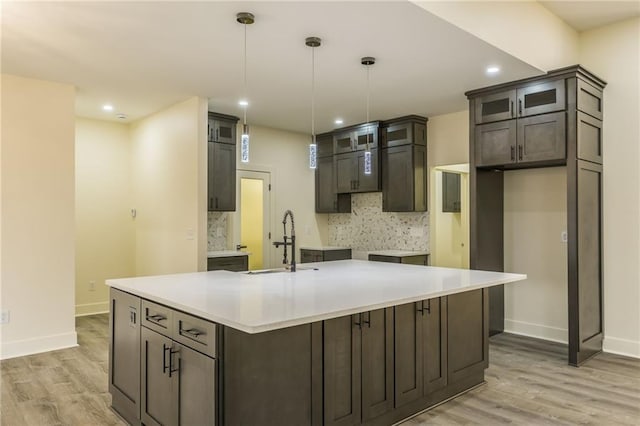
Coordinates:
143	56
586	15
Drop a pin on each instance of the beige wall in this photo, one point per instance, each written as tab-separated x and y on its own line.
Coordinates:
535	215
524	29
286	156
105	233
38	220
613	53
169	161
448	139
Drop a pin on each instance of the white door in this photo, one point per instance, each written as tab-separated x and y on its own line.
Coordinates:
251	227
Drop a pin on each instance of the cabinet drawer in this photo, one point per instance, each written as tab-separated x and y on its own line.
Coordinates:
589	138
157	317
196	333
330	255
310	256
589	99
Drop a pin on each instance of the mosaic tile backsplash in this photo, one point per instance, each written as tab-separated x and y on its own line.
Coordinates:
368	228
216	231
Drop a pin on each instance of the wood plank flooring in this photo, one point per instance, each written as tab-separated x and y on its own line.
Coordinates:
528	383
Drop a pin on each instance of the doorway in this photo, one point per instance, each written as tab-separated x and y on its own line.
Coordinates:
450	216
251	229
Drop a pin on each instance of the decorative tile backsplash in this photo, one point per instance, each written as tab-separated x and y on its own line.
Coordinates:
367	227
216	231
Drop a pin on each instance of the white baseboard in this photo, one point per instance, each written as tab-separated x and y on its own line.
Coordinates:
539	331
624	347
37	345
92	308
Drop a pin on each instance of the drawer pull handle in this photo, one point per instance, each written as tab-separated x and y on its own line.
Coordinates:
194	333
156	318
171	366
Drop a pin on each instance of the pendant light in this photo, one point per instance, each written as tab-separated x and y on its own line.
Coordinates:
313	42
245	18
367	61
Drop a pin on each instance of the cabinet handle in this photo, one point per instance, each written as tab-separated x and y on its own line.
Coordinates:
428	308
171	353
368	320
420	307
217	133
164	358
216	202
357	322
520	107
194	333
513	153
156	318
511	111
210	203
132	316
520	152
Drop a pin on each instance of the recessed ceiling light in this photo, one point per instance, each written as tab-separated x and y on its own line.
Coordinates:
493	70
339	121
243	103
107	107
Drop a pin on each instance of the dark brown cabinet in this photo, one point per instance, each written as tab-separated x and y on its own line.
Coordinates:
539	139
124	354
559	122
327	198
350	175
450	192
420	349
222	163
238	263
407	259
358	367
404	164
327	255
467	333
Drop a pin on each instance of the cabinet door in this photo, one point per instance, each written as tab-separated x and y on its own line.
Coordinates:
397	179
325	145
326	196
196	387
589	99
434	341
408	352
366	136
228	263
224	131
450	192
344	173
159	383
371	182
541	98
589	138
495	107
495	144
377	363
542	138
124	354
467	334
343	142
342	364
222	177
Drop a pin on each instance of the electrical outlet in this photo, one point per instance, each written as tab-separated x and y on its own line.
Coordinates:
92	285
564	237
190	234
5	316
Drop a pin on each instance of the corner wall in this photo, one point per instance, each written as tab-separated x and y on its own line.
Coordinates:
169	166
105	232
613	53
38	216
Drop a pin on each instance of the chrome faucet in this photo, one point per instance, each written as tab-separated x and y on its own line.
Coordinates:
286	243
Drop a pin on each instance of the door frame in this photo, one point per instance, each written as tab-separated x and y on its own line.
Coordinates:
234	218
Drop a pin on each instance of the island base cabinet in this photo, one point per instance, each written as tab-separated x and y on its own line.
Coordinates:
178	383
124	354
358	367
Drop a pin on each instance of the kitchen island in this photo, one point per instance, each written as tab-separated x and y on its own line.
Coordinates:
351	342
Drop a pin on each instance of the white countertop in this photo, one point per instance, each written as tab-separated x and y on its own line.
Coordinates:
258	303
324	248
227	253
398	253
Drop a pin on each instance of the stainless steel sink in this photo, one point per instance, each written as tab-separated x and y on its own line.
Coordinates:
280	270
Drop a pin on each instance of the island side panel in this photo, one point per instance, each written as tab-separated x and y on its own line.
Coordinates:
267	377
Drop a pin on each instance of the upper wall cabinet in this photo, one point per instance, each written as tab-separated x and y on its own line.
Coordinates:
521	102
221	167
356	138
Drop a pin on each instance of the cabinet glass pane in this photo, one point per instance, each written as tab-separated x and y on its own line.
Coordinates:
495	107
395	135
540	98
226	132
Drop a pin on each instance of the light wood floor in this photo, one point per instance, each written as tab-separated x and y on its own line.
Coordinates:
528	383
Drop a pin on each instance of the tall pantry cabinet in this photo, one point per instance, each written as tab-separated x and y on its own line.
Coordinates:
551	120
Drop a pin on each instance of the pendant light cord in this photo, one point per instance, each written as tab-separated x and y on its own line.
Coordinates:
368	94
245	73
313	94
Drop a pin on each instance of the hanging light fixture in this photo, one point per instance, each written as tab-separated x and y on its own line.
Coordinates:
245	18
367	61
313	42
